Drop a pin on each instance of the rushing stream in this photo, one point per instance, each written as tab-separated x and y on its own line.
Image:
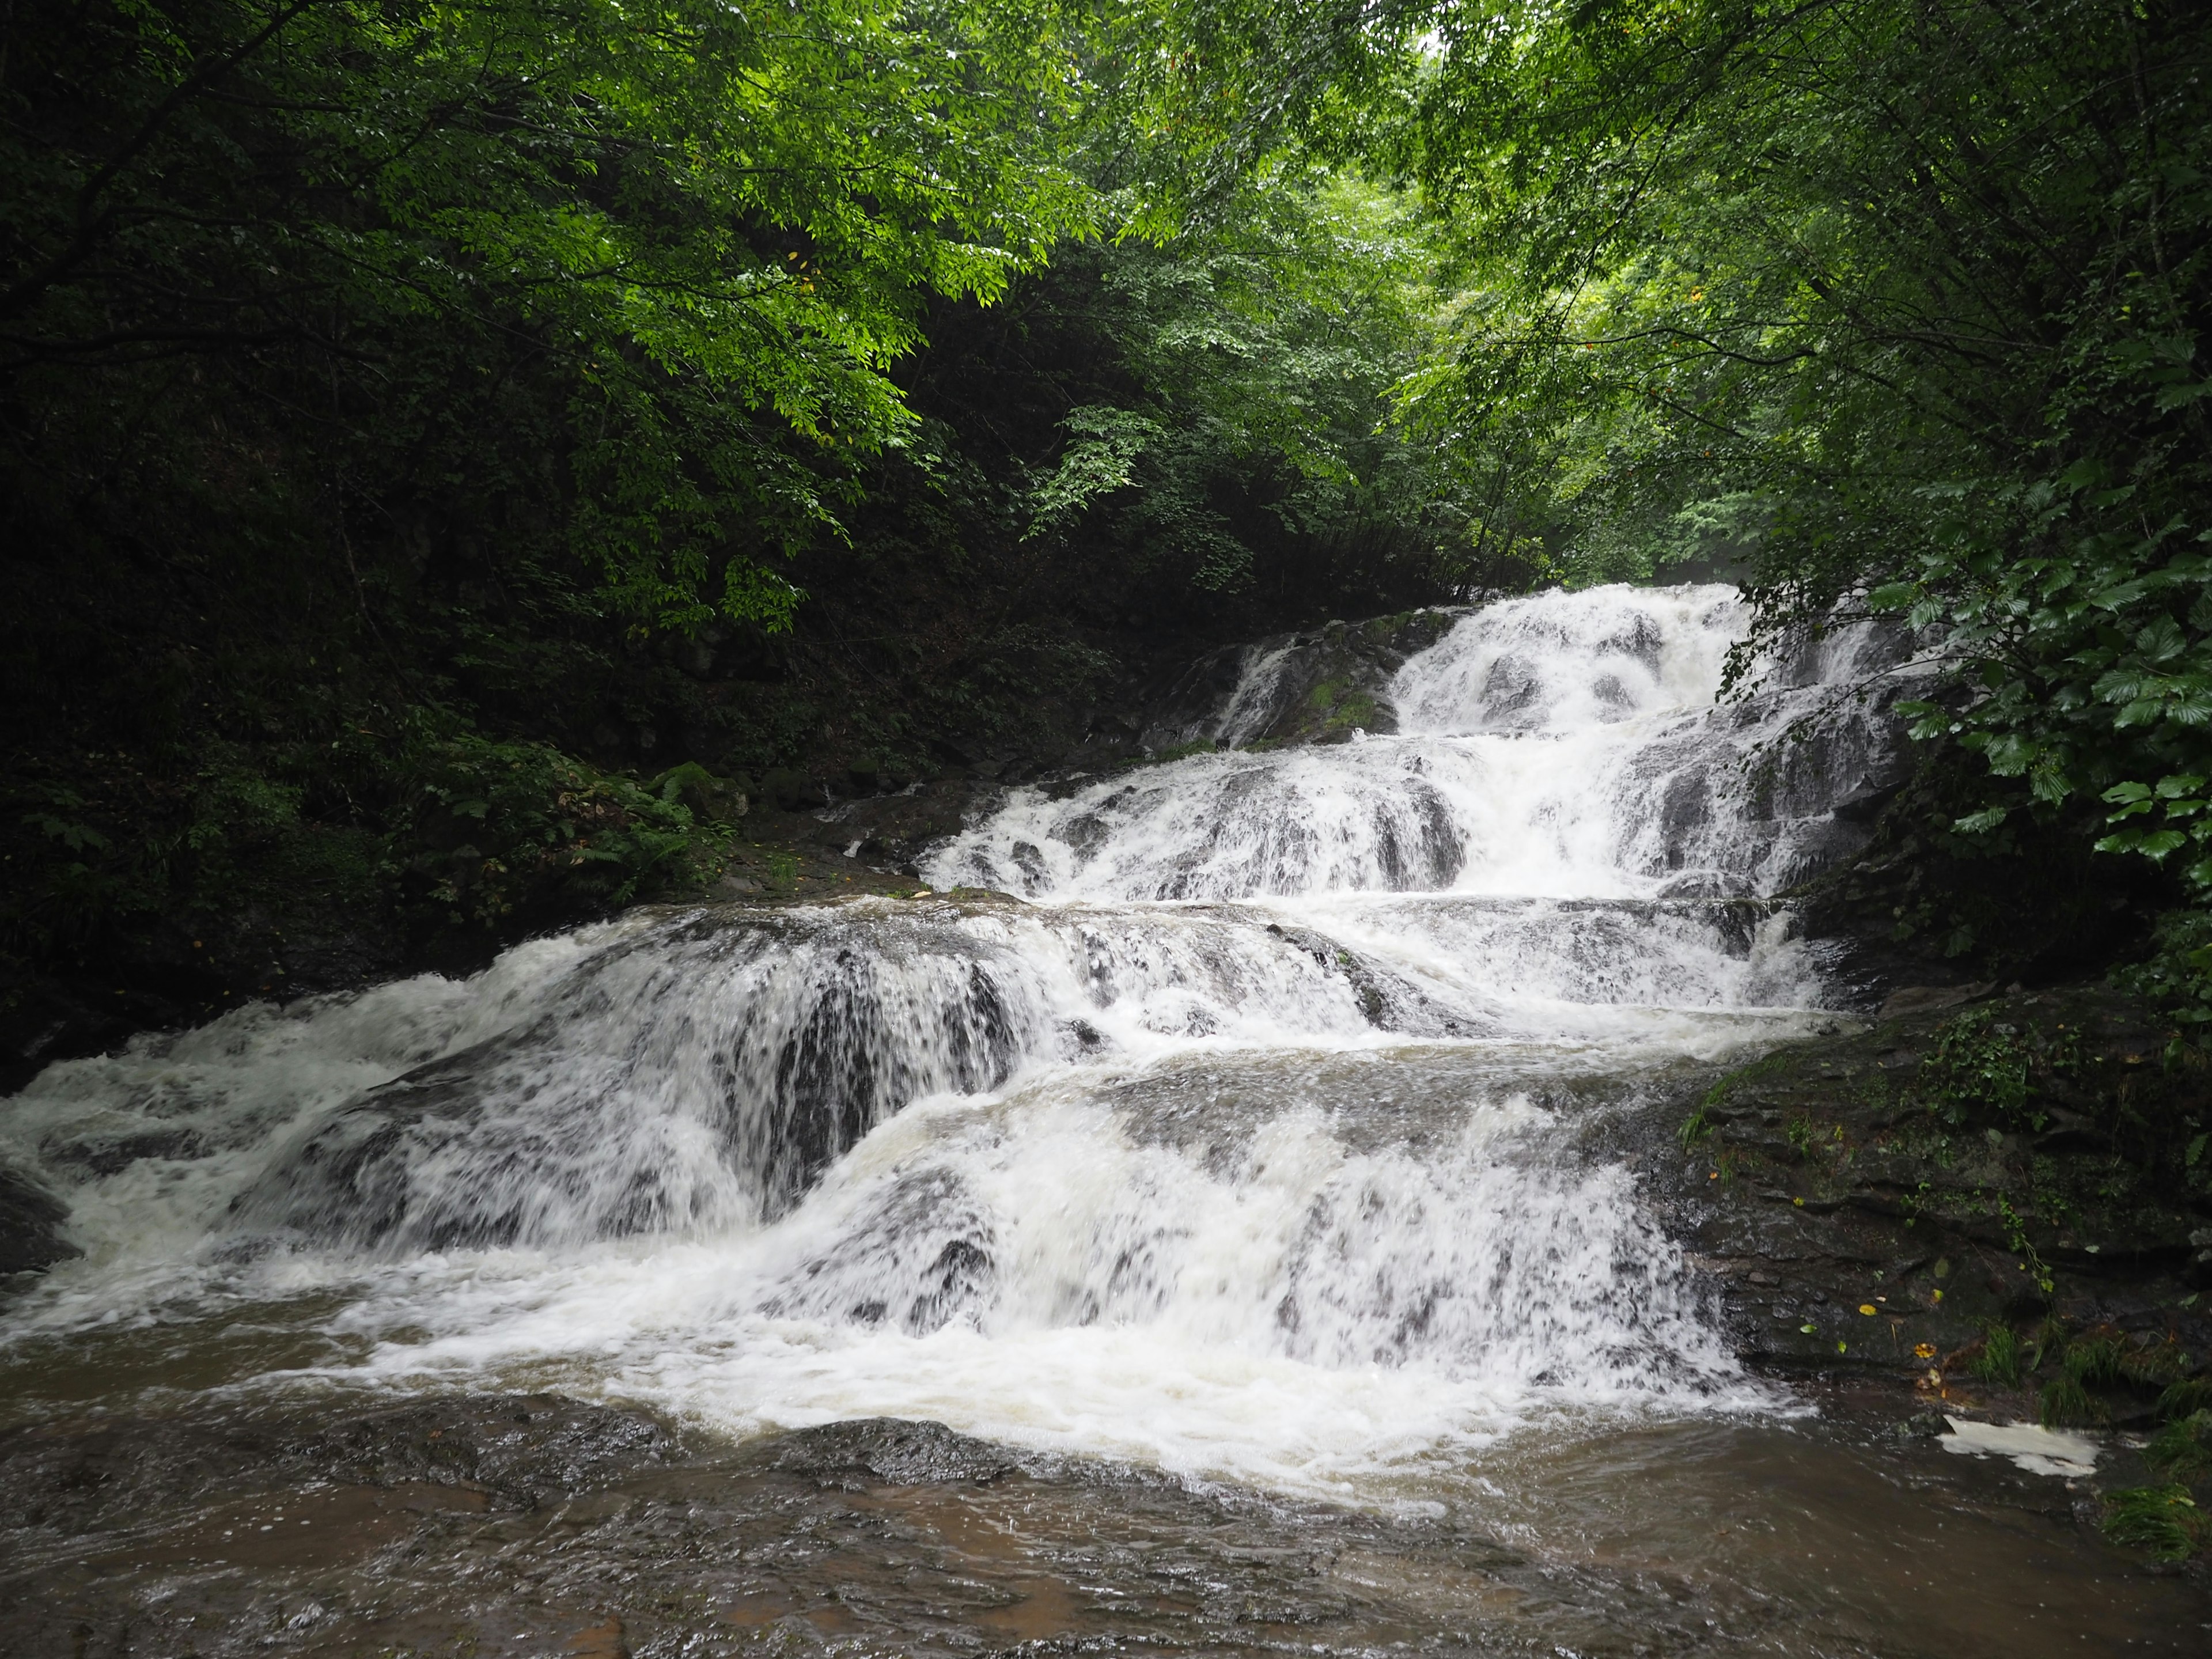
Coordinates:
1222	1122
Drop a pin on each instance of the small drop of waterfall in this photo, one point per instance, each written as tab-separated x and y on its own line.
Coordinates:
1561	745
1247	1067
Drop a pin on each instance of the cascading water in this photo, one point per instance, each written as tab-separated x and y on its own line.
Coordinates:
1234	1142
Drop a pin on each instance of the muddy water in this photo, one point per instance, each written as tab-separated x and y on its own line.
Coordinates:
1247	1183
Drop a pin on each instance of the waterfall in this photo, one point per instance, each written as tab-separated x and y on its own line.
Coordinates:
1228	1117
1562	744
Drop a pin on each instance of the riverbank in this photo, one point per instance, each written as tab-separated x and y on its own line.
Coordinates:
1990	1205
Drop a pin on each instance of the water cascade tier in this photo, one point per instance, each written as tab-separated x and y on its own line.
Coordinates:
1224	1113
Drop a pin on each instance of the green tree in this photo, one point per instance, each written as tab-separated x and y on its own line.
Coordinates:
693	235
1895	302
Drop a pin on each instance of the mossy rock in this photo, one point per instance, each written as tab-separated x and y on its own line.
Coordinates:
1881	1197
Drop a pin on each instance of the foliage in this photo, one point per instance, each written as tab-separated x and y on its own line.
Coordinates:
1262	350
440	825
1893	304
542	832
2177	973
671	252
1983	1068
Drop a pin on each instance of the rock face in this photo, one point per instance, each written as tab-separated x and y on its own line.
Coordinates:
1885	1197
30	1226
1314	686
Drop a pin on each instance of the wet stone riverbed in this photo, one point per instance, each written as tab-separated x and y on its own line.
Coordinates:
531	1524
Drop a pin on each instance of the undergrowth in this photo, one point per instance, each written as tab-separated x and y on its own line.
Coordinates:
1985	1067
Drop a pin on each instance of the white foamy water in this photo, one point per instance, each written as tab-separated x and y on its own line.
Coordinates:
1241	1141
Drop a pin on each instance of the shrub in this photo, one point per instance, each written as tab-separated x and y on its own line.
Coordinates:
1985	1068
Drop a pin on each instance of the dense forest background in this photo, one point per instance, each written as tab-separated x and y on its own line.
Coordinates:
447	453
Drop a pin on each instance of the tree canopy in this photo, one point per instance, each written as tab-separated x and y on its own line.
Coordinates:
1896	303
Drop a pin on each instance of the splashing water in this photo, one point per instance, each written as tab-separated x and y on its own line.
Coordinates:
1235	1142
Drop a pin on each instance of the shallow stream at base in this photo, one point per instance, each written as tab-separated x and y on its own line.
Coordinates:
1224	1144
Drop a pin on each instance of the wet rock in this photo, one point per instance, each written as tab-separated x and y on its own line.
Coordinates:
515	1451
1858	1209
1864	802
907	1454
790	789
97	1157
523	1449
1390	1001
30	1220
264	1534
1926	998
894	831
1314	686
1915	906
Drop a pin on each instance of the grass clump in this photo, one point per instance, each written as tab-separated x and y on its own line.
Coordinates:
1698	1126
1999	1361
2187	1397
2164	1520
2183	1448
2064	1403
2099	1361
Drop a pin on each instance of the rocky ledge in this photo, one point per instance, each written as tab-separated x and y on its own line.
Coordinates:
2001	1201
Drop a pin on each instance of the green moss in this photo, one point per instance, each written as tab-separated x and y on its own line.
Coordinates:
1355	709
1179	751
